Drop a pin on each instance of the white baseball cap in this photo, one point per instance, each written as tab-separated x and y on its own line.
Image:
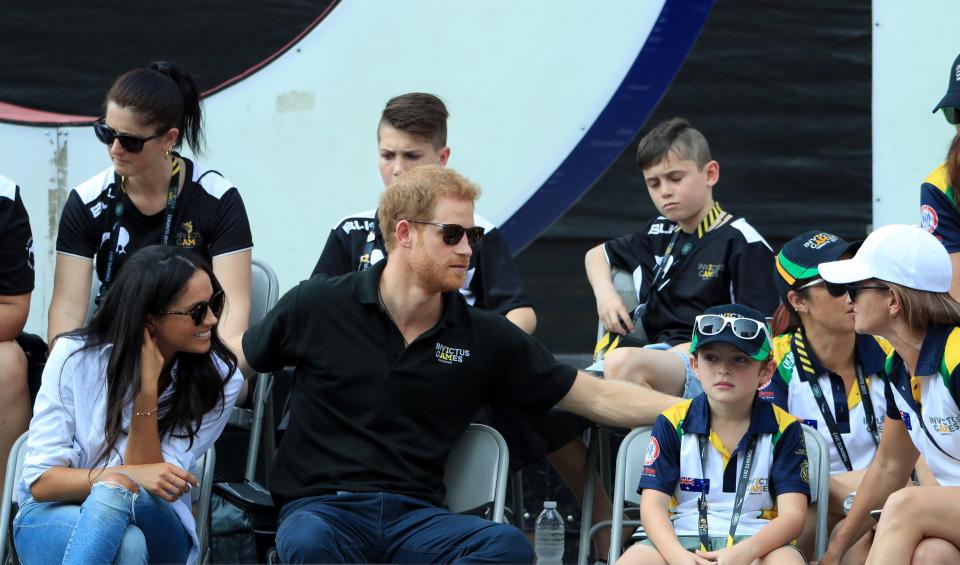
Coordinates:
905	255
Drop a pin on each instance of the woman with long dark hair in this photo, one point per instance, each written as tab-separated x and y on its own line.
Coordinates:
151	194
827	375
126	406
898	285
940	191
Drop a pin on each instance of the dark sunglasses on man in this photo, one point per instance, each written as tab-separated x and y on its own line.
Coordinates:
453	233
130	143
199	312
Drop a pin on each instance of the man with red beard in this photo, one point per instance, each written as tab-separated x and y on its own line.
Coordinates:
391	365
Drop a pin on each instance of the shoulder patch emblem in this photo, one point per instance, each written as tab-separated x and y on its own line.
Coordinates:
653	452
805	471
928	218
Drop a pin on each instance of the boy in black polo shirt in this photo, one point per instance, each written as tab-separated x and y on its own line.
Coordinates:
693	256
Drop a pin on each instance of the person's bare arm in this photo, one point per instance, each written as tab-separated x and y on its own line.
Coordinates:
67	484
888	472
611	310
524	318
13	315
233	272
616	403
71	294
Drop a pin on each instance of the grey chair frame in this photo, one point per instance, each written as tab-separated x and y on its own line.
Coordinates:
630	466
264	293
14	472
476	471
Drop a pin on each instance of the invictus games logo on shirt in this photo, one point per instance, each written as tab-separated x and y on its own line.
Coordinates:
759	485
708	271
945	425
819	240
450	355
186	237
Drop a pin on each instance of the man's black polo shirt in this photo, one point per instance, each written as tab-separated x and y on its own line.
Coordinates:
366	414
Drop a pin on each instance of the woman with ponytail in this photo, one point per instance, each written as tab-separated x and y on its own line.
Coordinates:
827	375
151	194
127	405
940	192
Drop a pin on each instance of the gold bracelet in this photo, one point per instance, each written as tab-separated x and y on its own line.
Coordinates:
147	413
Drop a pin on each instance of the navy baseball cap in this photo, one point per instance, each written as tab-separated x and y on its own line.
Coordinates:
800	257
740	326
952	98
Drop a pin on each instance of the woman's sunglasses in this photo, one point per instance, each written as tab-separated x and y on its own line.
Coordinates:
130	143
835	290
952	115
199	312
453	233
744	328
853	289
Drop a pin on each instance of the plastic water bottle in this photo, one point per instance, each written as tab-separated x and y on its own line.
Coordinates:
549	534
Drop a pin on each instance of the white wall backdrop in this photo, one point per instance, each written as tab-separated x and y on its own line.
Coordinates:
914	45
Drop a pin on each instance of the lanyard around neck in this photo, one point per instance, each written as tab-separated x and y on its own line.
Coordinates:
702	527
109	273
609	341
806	366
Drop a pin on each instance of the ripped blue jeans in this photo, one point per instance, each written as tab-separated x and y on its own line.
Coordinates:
113	525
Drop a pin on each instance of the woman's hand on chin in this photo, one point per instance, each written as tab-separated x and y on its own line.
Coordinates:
164	480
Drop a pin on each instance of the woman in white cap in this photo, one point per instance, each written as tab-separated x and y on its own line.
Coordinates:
939	196
898	283
827	375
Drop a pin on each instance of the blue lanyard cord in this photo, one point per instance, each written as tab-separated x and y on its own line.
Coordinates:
702	528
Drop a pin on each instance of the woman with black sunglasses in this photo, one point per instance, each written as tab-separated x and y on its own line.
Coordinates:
127	404
940	191
898	285
827	375
150	195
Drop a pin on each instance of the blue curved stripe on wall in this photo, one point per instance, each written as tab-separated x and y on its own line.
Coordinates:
669	42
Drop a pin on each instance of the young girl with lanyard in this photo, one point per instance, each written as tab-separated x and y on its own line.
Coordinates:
827	375
898	285
127	405
720	465
150	195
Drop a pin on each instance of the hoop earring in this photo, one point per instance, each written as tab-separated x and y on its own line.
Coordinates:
166	153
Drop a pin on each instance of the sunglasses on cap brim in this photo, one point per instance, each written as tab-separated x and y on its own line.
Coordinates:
835	290
130	143
743	328
199	312
451	234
